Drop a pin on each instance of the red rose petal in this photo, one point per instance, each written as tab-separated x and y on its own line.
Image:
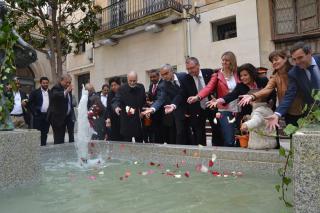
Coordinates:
215	173
211	163
184	151
177	165
187	174
152	164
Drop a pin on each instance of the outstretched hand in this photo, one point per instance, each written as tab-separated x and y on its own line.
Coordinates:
147	112
272	122
117	110
245	100
169	108
192	99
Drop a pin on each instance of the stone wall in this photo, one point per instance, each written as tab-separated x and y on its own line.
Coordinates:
306	169
19	158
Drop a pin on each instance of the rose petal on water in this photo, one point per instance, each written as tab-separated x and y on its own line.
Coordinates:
152	164
211	163
184	151
187	174
101	173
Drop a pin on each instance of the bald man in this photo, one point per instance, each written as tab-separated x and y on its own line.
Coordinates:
128	104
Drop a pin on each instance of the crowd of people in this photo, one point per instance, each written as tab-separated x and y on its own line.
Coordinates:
175	108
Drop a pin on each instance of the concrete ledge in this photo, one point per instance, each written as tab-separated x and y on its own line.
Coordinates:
306	169
19	158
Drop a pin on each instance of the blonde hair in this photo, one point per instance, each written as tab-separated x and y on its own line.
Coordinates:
233	60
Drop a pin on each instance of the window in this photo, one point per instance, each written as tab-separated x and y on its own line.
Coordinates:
295	17
80	48
224	29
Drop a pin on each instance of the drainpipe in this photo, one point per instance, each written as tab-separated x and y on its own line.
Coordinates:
188	37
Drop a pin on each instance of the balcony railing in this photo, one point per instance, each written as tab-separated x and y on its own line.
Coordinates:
126	11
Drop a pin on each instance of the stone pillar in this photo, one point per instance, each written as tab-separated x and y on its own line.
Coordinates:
306	170
19	158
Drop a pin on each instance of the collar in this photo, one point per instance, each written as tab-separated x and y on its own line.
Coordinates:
313	62
42	90
175	78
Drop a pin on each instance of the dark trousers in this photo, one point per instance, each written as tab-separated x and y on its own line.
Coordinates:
198	124
181	130
60	130
227	128
157	131
40	123
217	139
115	130
70	127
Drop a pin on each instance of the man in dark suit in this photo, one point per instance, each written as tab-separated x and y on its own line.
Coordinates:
167	95
303	78
39	104
192	83
113	120
60	108
128	104
157	129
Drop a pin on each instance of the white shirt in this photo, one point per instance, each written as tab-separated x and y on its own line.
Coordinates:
45	100
17	108
196	81
104	99
232	106
175	79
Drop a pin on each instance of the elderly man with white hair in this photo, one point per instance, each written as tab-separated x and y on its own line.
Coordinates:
128	104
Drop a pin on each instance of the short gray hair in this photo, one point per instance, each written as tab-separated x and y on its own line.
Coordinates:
194	60
65	76
167	67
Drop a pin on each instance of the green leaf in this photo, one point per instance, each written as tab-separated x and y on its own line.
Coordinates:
301	122
282	152
316	114
290	129
316	97
280	171
286	180
277	187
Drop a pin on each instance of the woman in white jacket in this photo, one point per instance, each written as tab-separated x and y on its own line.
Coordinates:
259	136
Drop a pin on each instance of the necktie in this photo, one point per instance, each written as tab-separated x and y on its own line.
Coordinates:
314	78
69	104
200	87
154	88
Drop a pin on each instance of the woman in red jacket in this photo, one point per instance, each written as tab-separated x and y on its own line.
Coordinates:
223	82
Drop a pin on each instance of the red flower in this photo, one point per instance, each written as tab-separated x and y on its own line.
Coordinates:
211	163
152	164
215	173
187	174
